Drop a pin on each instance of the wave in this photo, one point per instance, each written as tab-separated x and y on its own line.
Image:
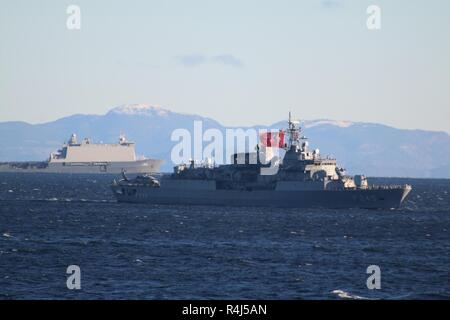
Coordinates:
346	295
62	200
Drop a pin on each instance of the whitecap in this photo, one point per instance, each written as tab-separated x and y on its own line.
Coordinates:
346	295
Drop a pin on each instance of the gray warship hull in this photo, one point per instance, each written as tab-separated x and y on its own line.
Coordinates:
132	167
358	198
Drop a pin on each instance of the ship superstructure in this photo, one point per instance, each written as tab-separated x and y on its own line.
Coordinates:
86	151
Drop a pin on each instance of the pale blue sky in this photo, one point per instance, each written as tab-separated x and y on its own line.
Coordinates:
239	62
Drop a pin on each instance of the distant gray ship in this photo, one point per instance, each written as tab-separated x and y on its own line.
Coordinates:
88	157
303	179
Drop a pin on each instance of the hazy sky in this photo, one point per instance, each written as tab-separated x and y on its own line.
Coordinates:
240	62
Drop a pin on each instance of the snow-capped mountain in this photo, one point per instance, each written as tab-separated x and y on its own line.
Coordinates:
313	123
140	110
373	149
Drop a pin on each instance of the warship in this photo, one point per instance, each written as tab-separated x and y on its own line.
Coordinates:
88	157
303	179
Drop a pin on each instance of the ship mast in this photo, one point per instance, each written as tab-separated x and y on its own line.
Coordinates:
294	133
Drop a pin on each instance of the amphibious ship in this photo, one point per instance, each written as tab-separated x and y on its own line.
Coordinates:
302	178
88	157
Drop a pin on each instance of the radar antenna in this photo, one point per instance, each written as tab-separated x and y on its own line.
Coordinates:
122	138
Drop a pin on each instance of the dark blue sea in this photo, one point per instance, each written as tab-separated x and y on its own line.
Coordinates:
142	251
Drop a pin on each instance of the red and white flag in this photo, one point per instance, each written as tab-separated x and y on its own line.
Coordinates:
272	139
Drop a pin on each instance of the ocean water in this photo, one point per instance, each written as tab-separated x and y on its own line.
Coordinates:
142	251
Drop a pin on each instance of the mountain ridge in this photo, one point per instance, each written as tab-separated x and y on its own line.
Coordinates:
361	147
